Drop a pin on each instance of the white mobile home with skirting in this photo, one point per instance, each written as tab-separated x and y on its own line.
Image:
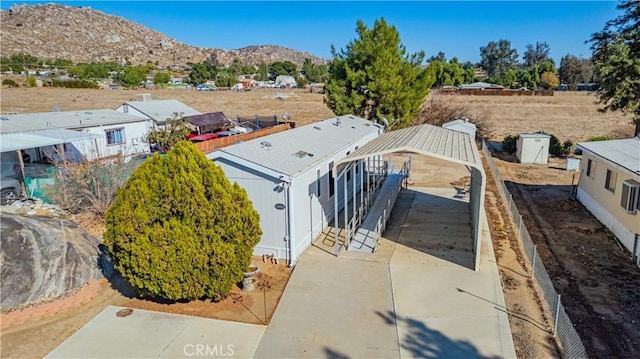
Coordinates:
609	187
289	177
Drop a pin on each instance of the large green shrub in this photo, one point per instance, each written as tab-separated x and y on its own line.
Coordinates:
179	230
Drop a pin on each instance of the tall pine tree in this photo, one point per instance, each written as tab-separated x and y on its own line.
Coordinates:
616	58
375	78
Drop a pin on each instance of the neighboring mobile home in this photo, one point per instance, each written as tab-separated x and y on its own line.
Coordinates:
289	177
609	187
158	111
114	133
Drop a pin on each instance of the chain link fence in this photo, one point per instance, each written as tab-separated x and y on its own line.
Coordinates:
563	329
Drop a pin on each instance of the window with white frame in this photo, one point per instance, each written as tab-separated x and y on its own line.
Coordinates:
318	183
591	168
610	181
629	198
115	136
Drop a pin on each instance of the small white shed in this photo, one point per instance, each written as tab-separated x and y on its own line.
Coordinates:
533	148
461	126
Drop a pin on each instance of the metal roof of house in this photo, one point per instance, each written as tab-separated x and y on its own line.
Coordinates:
292	152
426	139
20	141
459	122
26	122
162	110
534	135
625	153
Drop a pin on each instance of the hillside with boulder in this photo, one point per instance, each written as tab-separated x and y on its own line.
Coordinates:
82	34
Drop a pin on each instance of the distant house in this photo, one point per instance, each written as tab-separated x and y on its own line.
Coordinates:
590	86
461	126
286	80
609	187
158	111
114	133
481	86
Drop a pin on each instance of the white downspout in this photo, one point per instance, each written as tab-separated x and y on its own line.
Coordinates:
289	220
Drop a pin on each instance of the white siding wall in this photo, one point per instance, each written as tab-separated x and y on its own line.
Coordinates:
625	236
134	135
265	194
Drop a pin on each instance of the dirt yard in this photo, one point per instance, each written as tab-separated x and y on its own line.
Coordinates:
35	331
595	277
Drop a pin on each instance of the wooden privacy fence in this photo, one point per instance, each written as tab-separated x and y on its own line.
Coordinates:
218	143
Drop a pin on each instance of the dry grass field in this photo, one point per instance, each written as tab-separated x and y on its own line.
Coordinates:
568	115
304	107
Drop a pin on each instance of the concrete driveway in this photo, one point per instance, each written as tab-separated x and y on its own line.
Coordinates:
415	297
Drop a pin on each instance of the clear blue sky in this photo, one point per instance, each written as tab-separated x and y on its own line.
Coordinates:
458	28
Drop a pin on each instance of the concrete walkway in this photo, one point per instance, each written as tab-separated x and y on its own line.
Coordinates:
415	297
148	334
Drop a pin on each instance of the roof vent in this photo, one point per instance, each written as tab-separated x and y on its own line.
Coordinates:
338	122
48	123
302	154
88	113
317	127
265	144
4	118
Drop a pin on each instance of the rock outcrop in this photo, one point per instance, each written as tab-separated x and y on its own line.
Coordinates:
82	34
44	257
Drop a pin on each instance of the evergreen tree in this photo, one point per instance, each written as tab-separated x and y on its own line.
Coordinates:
179	229
616	57
374	77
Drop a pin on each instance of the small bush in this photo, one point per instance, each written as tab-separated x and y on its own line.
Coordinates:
600	138
509	144
557	148
9	82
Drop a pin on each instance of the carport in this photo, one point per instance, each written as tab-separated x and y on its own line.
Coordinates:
437	142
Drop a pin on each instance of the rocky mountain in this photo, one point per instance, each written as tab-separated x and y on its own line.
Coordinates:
82	34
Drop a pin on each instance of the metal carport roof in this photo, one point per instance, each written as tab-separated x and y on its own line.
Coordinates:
24	140
440	143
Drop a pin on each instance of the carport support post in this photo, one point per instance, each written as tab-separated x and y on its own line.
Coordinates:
335	210
345	205
353	194
557	314
361	170
533	260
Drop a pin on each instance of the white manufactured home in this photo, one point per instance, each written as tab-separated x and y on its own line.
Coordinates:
157	111
609	187
290	178
114	133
